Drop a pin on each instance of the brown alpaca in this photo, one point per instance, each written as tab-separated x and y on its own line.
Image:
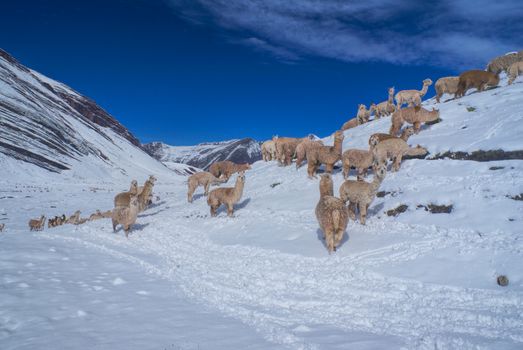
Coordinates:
331	213
395	149
350	124
376	138
412	115
107	214
478	79
385	108
286	148
204	179
358	158
123	199
37	224
302	149
327	155
268	149
446	85
412	97
227	195
502	63
96	216
73	219
514	70
227	168
360	194
126	216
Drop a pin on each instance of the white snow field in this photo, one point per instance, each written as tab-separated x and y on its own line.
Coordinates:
263	279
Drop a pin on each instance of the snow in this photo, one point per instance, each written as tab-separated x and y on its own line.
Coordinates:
263	279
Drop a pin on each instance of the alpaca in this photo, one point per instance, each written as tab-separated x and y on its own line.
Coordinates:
331	213
360	194
395	149
204	179
126	216
363	115
376	138
107	214
358	158
412	115
386	107
514	70
227	195
134	187
81	221
502	63
123	199
446	85
149	199
302	149
37	224
354	122
51	222
478	79
2	227
227	168
286	148
412	97
327	155
73	219
96	216
268	149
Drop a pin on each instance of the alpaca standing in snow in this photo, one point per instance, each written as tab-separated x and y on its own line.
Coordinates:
376	138
124	199
358	158
37	224
96	216
478	79
204	179
395	149
363	114
227	195
327	155
331	213
514	70
73	219
226	168
412	115
302	149
412	97
268	149
360	194
502	63
385	108
446	85
126	216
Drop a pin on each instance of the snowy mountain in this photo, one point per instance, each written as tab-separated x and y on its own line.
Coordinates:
48	127
421	274
203	155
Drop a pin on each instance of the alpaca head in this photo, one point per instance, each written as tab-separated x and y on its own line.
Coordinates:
433	115
339	136
275	137
391	90
152	178
362	107
373	141
380	170
326	185
245	166
241	177
427	82
134	183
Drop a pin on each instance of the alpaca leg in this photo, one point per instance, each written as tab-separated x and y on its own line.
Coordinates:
338	237
311	171
363	213
352	210
329	168
330	242
206	189
230	209
190	193
417	127
114	225
397	163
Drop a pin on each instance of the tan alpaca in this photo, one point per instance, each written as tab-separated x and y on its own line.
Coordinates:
37	224
363	115
227	168
331	213
227	195
2	227
376	138
96	216
126	216
412	97
360	194
395	149
502	63
286	148
327	155
268	149
514	70
446	85
134	187
358	158
302	149
73	219
412	115
107	214
123	199
478	79
149	199
350	124
385	108
204	179
82	221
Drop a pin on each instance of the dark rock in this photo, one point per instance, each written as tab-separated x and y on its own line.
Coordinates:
502	280
518	197
480	156
496	167
398	210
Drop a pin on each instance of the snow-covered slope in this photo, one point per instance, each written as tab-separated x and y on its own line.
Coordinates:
203	155
414	281
48	127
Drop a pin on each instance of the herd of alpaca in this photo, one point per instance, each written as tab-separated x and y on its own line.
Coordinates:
333	213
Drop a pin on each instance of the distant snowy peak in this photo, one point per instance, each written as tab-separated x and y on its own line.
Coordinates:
203	155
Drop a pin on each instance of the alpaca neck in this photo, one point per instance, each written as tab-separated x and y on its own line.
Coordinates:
238	190
337	145
391	98
424	90
375	184
147	188
404	136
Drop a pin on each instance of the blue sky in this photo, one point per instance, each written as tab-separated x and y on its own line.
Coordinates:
189	71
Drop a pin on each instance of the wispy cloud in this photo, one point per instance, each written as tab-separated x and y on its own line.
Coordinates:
453	32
